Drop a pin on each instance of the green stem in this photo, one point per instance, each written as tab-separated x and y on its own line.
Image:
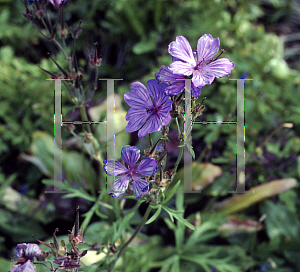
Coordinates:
178	127
62	50
178	160
96	80
165	150
136	231
43	21
84	117
150	140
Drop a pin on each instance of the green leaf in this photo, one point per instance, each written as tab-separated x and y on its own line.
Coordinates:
122	225
143	47
101	215
154	207
74	191
176	264
175	214
184	221
240	202
155	215
170	224
190	148
172	192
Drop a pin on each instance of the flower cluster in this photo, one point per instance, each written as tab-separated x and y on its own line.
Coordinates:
152	107
26	254
66	259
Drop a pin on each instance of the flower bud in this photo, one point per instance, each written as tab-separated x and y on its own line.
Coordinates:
94	60
40	13
62	32
28	250
75	238
76	31
43	256
28	15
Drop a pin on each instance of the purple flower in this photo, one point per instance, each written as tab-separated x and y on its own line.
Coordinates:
57	3
200	65
147	114
28	251
176	82
133	172
25	267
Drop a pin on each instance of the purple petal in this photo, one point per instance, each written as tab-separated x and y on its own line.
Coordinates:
56	3
182	50
21	250
157	91
152	125
139	186
25	267
219	68
201	78
175	89
32	250
130	155
136	118
207	47
119	187
108	167
167	76
164	113
181	68
196	91
147	167
138	97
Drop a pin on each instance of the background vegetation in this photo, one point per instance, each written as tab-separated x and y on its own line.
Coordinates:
261	37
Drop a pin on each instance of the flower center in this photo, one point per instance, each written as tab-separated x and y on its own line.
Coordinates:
131	171
153	110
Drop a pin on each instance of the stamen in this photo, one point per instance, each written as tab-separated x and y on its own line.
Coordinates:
222	51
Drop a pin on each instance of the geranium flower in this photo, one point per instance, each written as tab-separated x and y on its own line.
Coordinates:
57	3
199	65
132	172
176	82
147	114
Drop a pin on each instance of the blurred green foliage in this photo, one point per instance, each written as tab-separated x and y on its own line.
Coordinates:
133	37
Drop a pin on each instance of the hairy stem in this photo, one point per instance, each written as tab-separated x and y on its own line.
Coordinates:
84	117
178	160
136	231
